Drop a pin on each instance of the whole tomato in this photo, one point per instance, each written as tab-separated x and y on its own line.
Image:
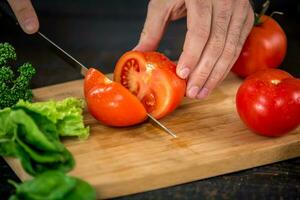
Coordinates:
268	102
264	48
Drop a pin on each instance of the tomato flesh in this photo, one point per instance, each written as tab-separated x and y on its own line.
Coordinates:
110	103
152	78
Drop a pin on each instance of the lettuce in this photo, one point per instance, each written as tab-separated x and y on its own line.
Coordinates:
34	139
66	114
31	132
54	185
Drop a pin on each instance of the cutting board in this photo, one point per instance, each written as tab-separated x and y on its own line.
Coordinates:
211	141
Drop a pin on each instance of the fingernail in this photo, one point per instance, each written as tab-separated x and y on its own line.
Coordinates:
193	91
184	72
203	94
29	25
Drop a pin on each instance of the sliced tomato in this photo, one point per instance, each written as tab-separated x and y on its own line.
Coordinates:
151	76
111	103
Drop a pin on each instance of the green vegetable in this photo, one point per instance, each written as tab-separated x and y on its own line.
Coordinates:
7	53
34	139
66	114
54	185
31	131
11	88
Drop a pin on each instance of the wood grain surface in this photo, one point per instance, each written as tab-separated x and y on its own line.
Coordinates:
211	141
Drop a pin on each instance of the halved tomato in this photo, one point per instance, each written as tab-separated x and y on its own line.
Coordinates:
151	76
111	103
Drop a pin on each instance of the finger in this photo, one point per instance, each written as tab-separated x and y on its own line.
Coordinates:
213	49
236	26
154	27
199	14
243	37
25	14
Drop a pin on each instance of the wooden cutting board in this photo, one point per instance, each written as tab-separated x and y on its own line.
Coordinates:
211	141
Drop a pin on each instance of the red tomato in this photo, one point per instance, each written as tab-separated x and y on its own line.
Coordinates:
264	48
268	102
110	103
152	78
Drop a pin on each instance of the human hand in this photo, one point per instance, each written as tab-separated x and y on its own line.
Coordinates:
216	32
25	14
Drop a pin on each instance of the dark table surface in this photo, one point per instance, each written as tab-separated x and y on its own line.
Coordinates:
110	28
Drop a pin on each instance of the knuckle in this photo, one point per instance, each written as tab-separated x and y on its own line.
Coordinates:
215	77
202	76
229	52
220	30
233	39
217	48
226	4
200	9
201	32
225	10
245	4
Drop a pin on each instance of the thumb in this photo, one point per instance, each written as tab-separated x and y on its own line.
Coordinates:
25	14
154	26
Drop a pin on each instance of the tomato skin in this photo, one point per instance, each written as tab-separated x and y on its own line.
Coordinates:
268	102
110	103
154	79
92	78
264	48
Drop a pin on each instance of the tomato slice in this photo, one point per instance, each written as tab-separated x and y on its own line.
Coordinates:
151	77
111	103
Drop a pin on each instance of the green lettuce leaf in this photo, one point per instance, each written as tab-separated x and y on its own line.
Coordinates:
33	138
54	185
65	114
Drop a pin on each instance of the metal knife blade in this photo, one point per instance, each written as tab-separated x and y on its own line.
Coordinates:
83	71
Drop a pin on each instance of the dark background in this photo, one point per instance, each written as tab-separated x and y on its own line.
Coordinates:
98	33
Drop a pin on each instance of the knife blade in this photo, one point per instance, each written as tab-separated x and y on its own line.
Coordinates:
83	70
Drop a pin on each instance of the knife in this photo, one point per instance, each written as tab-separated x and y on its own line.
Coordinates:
74	62
83	71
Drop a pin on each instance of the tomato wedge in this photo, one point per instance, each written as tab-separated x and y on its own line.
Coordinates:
151	77
111	103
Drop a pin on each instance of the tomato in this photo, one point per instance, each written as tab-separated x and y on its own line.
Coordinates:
111	103
151	76
268	102
264	48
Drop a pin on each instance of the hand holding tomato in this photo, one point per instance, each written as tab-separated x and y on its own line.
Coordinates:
216	32
268	102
